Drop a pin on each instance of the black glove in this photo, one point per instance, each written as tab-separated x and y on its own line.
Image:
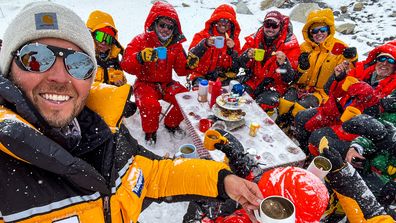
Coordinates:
240	163
350	52
192	61
389	103
366	126
261	87
213	75
148	55
303	61
129	109
387	194
335	158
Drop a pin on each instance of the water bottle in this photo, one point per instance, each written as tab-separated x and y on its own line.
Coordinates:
203	91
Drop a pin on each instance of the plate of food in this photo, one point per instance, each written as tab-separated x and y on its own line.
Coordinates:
228	115
230	101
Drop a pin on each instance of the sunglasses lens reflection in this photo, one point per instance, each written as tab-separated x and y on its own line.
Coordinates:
35	57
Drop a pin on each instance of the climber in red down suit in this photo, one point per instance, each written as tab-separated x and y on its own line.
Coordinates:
154	76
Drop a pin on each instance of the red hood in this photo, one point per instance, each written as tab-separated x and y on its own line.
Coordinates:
161	9
224	12
389	47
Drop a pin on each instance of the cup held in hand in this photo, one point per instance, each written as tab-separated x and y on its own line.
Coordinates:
320	166
212	137
259	54
276	209
349	113
219	42
161	52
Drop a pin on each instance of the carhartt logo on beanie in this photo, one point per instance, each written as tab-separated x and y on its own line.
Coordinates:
44	20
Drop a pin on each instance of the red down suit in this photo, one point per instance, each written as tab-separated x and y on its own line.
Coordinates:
154	79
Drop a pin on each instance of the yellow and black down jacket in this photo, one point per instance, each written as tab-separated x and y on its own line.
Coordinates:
323	57
102	177
356	199
109	70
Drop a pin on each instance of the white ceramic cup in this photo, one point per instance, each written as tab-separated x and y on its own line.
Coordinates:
219	42
276	209
320	166
187	151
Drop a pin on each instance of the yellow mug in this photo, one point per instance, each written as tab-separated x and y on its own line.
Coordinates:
349	113
259	54
349	80
212	137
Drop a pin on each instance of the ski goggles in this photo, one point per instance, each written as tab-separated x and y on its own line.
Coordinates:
103	37
78	64
269	23
322	29
386	58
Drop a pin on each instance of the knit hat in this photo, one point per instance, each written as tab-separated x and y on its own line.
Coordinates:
274	15
44	20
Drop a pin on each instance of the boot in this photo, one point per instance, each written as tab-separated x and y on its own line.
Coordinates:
284	106
177	132
151	138
297	108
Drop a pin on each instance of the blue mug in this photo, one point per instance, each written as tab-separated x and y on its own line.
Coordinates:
238	89
187	151
161	52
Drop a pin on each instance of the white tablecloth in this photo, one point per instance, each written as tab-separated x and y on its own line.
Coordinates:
273	147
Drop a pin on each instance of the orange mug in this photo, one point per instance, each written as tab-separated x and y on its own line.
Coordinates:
212	137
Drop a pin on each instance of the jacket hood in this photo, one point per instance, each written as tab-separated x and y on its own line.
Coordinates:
319	16
224	12
98	19
163	9
389	48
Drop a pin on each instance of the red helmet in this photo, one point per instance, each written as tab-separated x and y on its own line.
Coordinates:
305	190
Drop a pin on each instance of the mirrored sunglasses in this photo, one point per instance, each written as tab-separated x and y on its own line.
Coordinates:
103	37
386	58
38	58
269	23
164	25
322	29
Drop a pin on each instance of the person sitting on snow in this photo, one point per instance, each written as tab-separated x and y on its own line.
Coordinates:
268	80
373	153
107	48
320	54
307	192
359	92
65	153
355	197
217	62
154	76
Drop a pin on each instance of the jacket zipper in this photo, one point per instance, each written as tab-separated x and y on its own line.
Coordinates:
106	209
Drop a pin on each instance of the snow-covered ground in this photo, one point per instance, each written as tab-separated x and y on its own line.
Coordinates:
129	17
